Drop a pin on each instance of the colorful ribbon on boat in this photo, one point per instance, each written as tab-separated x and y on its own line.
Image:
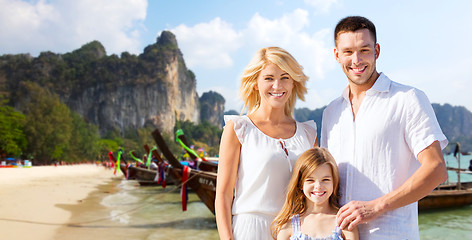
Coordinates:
160	177
110	156
149	157
177	139
127	170
131	153
183	191
117	166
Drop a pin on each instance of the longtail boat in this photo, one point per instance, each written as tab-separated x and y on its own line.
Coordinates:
122	166
147	176
449	195
203	183
201	163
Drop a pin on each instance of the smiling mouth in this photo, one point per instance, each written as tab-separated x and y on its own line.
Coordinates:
277	94
318	194
359	70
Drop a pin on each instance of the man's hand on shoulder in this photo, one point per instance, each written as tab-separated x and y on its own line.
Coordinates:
357	212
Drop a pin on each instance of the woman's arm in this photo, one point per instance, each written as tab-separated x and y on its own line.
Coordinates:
228	162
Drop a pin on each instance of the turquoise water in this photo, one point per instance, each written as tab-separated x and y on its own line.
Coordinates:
153	213
450	223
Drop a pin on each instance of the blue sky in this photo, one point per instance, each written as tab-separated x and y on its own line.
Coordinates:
425	44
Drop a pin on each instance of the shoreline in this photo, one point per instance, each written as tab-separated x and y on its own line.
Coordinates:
38	201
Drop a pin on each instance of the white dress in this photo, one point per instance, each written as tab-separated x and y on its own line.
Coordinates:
265	168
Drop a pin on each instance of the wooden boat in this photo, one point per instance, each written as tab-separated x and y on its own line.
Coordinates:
145	176
203	183
449	195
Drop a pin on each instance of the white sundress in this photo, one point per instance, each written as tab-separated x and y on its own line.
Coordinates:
265	168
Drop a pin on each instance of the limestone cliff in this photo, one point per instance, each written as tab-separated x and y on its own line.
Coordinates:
123	92
212	108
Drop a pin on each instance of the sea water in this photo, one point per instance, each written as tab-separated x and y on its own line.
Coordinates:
153	213
453	223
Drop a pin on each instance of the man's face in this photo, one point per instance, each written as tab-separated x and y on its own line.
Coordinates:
357	53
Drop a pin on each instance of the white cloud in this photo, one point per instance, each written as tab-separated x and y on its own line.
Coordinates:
290	32
213	46
62	25
321	5
208	45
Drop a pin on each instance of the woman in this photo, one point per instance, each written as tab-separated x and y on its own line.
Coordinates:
258	151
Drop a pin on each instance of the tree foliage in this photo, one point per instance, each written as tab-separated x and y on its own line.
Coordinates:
83	144
12	137
48	125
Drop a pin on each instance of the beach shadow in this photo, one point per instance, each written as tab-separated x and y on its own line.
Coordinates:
198	223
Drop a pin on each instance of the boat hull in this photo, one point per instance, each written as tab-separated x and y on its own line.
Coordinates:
447	196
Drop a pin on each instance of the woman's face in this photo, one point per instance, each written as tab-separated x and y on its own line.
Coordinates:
274	86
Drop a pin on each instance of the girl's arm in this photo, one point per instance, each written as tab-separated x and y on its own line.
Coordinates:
228	162
351	234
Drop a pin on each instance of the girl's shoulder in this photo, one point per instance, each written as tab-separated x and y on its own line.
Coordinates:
350	234
286	231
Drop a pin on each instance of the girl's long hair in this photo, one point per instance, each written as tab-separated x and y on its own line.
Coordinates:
295	202
285	61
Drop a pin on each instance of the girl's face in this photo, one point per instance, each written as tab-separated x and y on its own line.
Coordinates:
274	86
318	186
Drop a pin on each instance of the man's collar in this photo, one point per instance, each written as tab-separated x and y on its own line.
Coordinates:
382	84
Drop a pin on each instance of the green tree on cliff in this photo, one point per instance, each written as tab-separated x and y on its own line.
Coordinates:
48	125
12	138
83	144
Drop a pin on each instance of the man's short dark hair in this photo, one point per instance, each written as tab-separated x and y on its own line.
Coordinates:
352	24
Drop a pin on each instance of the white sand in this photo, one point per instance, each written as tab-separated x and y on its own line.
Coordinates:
31	194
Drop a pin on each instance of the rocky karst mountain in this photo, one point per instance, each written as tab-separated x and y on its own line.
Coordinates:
123	92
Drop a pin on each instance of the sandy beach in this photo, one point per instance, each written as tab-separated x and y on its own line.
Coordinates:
35	202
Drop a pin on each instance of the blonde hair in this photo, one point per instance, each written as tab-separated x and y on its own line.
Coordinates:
286	62
295	202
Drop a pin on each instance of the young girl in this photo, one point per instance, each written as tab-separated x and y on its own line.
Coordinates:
309	211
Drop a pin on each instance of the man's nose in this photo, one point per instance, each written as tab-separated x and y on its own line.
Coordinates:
355	58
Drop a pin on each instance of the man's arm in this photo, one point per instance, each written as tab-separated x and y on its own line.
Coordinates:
429	175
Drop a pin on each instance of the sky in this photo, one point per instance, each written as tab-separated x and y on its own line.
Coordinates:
423	43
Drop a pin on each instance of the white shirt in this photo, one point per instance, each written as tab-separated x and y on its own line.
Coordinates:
264	166
377	152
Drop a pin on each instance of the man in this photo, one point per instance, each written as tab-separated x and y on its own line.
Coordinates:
385	139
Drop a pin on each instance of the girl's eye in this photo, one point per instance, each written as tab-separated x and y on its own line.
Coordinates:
268	79
285	78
